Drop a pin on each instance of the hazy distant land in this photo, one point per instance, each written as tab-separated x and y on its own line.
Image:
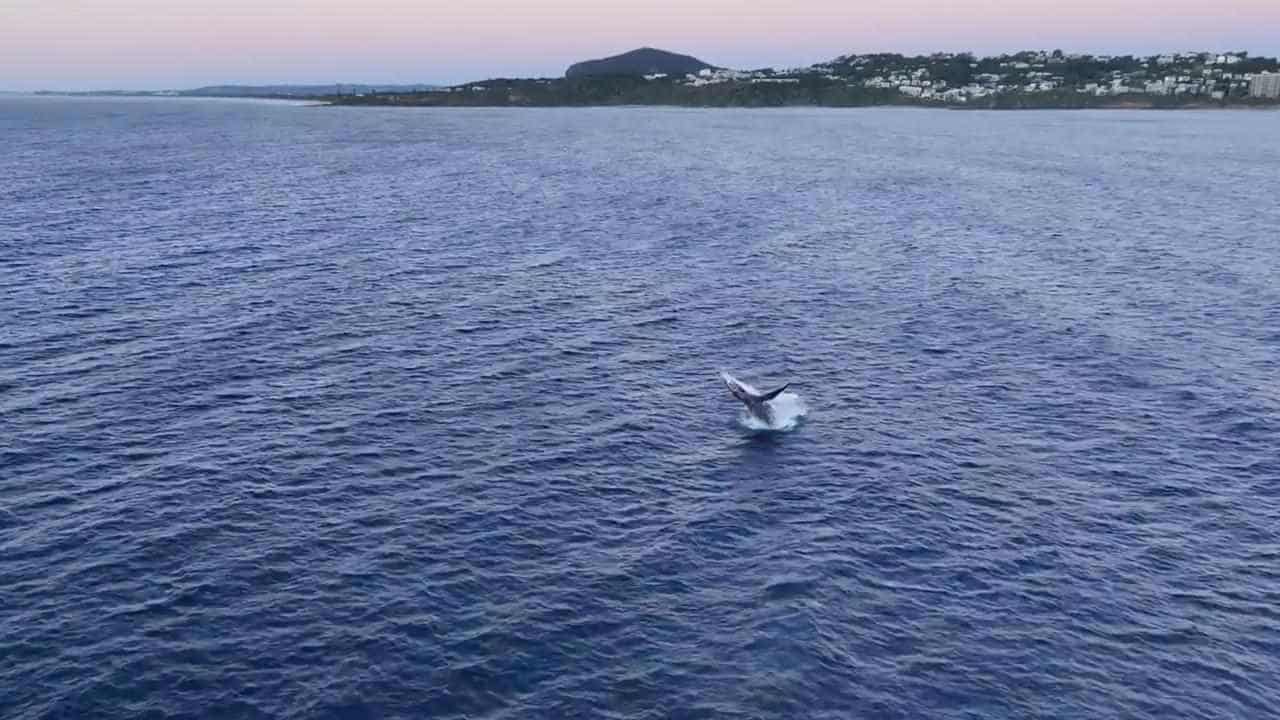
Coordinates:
648	76
259	91
1031	79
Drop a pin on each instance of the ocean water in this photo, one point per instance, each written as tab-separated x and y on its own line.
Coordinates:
318	412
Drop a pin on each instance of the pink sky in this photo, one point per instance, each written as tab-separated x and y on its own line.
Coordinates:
184	43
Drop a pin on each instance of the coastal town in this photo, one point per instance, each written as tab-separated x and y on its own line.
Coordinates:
962	78
1033	79
1036	79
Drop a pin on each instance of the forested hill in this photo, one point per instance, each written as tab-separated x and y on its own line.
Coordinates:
644	61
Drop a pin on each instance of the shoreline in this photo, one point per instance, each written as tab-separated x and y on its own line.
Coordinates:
433	101
906	106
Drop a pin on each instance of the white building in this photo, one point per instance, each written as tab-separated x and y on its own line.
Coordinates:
1265	85
708	76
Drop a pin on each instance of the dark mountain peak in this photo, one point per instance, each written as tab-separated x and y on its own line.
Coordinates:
641	61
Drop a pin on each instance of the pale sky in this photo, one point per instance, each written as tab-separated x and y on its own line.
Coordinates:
159	44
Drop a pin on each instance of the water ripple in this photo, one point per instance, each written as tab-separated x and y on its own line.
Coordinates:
311	412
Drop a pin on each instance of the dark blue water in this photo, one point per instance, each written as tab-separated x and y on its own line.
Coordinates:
359	413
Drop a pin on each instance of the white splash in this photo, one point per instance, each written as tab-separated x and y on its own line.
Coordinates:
788	410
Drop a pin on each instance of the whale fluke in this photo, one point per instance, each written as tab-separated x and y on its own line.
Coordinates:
771	395
757	403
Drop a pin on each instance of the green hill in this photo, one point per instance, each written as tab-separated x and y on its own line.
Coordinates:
644	61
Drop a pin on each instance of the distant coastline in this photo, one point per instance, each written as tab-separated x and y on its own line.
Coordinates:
1009	103
259	92
1025	80
1117	103
1028	80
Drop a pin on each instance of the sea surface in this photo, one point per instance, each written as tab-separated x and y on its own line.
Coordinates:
313	412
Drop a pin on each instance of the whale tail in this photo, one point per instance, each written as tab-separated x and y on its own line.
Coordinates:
748	394
773	394
766	411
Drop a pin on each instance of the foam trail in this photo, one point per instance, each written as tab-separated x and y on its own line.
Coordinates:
788	410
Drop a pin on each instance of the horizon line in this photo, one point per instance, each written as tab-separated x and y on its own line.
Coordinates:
125	89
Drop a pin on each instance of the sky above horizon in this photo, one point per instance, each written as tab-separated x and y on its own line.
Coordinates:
160	44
